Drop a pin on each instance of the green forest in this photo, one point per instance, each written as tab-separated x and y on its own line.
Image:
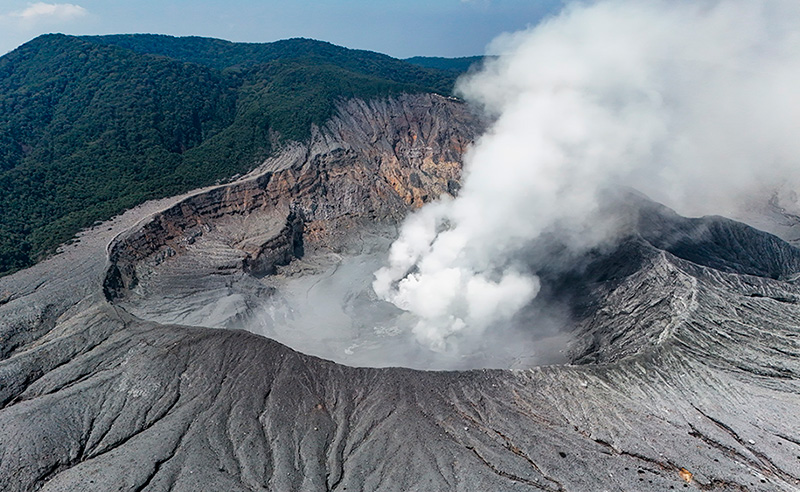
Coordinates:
92	126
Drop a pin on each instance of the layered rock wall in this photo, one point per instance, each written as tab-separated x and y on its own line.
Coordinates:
372	162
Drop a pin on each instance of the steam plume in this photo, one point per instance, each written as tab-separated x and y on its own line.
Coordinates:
694	103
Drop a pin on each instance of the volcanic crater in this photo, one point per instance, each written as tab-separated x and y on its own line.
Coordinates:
679	369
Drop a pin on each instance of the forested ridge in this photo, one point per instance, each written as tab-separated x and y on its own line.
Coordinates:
91	126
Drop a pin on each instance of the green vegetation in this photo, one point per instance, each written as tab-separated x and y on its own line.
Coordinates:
91	126
221	55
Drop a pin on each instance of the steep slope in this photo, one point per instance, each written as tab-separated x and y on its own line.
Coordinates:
89	131
692	382
92	126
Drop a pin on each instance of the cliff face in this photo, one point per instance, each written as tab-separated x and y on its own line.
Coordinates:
372	163
690	376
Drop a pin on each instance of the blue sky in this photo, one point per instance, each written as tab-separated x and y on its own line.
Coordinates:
401	29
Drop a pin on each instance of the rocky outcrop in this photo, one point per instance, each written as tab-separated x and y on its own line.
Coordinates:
279	250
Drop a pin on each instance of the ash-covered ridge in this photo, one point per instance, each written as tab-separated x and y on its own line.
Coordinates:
683	375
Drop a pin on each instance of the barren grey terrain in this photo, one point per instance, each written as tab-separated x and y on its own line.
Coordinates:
126	363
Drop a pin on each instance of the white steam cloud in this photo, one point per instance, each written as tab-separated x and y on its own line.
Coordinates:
694	103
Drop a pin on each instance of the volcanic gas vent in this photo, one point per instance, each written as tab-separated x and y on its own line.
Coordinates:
238	257
321	303
291	252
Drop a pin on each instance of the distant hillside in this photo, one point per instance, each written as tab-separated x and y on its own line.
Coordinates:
220	54
451	64
90	126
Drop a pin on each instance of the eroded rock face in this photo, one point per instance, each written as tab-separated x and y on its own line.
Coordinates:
204	261
689	352
370	164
